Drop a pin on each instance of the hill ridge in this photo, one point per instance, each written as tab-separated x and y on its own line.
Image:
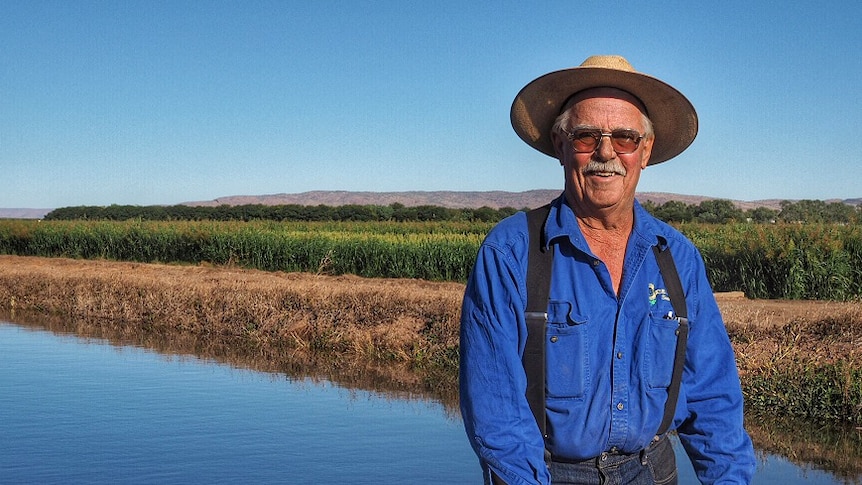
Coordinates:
494	199
451	199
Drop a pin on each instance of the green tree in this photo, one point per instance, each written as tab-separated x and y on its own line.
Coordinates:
803	211
840	212
674	211
717	211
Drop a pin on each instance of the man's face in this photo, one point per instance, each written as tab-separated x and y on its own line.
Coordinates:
603	180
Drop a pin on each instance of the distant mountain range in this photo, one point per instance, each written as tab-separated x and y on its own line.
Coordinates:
454	200
450	199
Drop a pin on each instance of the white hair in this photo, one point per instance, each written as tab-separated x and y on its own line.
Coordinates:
564	122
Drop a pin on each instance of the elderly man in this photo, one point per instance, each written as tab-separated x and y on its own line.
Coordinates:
630	345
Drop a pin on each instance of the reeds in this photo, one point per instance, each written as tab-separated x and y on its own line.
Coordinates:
431	251
787	261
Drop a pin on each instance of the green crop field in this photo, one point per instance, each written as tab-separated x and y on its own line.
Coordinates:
791	261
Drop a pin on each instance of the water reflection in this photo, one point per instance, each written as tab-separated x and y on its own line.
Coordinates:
396	381
817	446
83	411
808	446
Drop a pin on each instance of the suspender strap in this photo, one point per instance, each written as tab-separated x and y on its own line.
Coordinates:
677	299
538	291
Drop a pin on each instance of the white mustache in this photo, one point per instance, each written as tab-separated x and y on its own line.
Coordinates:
611	166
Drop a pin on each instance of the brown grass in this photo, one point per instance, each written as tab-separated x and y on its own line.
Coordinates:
379	320
767	332
226	301
377	329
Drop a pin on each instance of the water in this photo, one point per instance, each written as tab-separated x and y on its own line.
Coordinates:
76	410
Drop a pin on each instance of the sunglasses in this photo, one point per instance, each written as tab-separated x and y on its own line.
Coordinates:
587	140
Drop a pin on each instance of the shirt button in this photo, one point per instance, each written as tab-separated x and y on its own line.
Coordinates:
553	339
620	406
596	262
619	355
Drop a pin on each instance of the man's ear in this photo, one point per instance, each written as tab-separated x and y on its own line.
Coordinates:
559	143
647	151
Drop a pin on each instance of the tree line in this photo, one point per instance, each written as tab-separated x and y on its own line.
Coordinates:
716	211
720	211
290	212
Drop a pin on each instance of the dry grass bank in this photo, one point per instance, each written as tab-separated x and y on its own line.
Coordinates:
229	301
767	332
405	328
399	331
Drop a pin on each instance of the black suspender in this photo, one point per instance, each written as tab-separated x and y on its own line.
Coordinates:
677	300
538	291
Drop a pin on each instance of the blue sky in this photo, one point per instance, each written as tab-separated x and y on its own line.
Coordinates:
162	102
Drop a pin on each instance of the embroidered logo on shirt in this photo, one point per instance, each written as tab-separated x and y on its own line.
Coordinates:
656	293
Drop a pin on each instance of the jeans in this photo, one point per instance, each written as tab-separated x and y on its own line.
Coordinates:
656	465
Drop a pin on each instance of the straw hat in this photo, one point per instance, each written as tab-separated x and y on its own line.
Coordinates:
539	103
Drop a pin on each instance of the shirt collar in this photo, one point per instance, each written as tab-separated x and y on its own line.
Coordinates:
561	222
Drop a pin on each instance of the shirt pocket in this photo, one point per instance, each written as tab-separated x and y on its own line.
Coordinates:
660	347
566	352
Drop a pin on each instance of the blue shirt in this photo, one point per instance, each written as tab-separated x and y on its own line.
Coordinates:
609	357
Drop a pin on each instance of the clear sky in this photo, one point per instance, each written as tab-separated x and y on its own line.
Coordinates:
162	102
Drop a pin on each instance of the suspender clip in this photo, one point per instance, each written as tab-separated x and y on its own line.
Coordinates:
543	316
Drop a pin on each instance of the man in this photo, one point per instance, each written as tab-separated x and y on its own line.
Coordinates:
611	329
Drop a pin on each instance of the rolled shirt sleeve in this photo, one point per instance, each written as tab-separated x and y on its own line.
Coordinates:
497	417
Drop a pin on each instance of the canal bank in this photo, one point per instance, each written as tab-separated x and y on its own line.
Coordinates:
797	359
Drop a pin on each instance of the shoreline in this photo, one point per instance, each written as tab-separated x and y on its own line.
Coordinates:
399	334
400	331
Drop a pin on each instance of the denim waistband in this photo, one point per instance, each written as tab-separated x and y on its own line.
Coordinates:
613	457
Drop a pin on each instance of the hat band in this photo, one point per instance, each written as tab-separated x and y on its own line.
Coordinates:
640	104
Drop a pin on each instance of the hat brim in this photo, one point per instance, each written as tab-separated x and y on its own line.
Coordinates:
538	104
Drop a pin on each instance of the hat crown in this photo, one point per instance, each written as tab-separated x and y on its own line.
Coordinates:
539	103
608	62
